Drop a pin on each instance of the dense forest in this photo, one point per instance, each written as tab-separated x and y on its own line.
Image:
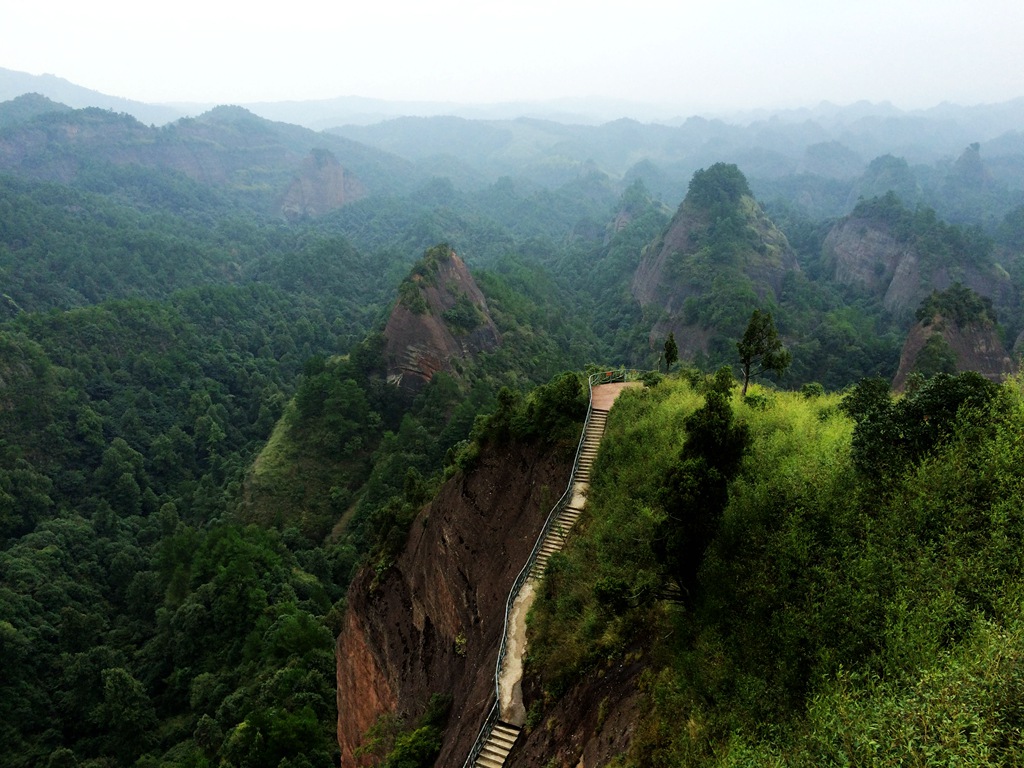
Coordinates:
200	444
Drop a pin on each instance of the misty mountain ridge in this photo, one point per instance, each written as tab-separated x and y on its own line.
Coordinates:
320	114
813	156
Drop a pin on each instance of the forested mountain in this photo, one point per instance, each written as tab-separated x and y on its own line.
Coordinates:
965	163
239	358
228	149
718	256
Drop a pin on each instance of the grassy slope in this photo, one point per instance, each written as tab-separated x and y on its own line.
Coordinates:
837	623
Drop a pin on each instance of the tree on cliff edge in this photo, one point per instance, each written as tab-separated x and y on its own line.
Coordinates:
761	348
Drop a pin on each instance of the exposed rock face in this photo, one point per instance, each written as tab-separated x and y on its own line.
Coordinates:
321	186
590	724
432	623
975	346
227	147
441	317
661	290
864	252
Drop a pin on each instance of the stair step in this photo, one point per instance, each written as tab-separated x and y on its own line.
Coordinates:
499	743
505	738
495	753
497	747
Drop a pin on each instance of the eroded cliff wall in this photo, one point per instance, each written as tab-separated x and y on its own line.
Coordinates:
432	622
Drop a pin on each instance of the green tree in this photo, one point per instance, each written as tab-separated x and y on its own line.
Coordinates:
761	348
695	490
671	351
936	356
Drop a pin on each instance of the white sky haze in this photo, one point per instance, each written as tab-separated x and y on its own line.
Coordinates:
735	54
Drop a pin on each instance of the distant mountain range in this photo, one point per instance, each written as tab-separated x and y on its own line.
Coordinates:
989	119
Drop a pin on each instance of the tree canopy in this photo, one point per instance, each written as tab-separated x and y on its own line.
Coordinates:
761	349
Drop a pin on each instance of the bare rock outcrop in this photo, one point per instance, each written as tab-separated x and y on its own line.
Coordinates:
320	187
867	253
971	347
441	318
432	621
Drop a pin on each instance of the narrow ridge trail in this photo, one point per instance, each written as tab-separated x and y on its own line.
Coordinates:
508	715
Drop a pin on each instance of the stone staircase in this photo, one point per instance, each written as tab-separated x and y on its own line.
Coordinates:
498	745
503	735
554	540
591	440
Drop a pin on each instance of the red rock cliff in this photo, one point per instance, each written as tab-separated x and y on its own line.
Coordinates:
864	252
974	347
320	187
441	317
659	288
432	622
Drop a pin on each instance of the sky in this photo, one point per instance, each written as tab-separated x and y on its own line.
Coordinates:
706	55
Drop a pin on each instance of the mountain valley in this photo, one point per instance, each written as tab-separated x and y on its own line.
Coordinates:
283	412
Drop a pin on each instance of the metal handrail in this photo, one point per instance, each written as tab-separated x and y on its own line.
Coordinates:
605	377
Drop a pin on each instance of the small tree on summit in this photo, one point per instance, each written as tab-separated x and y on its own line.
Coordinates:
761	348
671	351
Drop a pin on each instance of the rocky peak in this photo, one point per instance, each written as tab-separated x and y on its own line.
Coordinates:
440	318
720	239
956	331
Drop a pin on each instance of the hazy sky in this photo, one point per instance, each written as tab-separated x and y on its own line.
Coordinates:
712	54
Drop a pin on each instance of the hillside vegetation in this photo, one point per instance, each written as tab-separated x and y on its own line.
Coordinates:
199	443
859	598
